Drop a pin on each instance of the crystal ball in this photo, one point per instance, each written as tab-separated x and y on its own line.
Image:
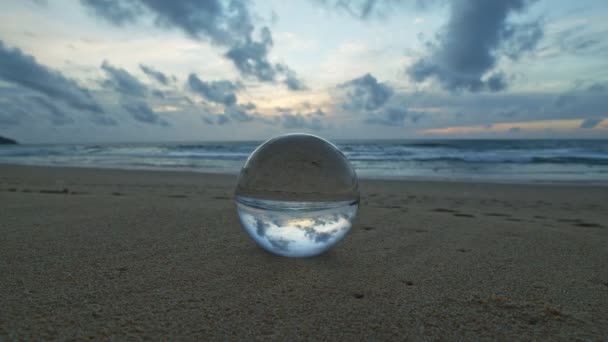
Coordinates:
297	195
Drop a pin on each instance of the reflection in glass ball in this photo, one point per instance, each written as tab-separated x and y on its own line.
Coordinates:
297	195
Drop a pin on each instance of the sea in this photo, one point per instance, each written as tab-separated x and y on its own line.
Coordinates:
519	161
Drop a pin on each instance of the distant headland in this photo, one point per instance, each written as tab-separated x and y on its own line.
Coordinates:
7	141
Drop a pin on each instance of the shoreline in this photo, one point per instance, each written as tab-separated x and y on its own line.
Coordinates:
406	179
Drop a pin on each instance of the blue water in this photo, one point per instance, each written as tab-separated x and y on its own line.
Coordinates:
469	160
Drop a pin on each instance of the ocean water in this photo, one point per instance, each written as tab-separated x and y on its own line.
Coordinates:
465	160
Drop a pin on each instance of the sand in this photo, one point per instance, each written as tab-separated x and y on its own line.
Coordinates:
110	254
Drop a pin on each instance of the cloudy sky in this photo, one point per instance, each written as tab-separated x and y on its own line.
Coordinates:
185	70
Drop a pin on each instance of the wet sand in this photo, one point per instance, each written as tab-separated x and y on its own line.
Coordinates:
112	254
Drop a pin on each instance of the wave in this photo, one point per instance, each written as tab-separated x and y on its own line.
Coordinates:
396	157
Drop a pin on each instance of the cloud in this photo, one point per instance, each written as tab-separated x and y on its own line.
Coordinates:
515	130
240	113
319	237
222	92
123	82
393	116
208	120
597	88
118	12
280	244
586	100
222	119
294	83
141	112
291	79
365	9
155	74
579	39
591	122
468	48
23	70
311	120
366	93
227	24
375	101
249	57
261	227
11	114
58	116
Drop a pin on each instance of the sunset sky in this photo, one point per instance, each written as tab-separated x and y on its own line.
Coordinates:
152	70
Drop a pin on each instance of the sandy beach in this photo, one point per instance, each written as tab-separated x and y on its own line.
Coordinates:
111	254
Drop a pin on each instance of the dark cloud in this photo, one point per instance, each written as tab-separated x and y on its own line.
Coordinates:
141	112
487	108
123	82
249	57
118	12
294	83
222	119
228	24
291	79
375	101
261	227
208	120
517	39
310	120
11	114
280	244
158	93
366	93
222	92
58	116
240	113
243	113
577	40
155	74
23	70
467	49
591	122
392	116
365	9
319	237
515	130
597	88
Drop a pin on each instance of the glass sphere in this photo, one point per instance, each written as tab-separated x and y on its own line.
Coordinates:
297	195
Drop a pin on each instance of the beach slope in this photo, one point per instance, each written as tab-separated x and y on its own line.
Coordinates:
119	254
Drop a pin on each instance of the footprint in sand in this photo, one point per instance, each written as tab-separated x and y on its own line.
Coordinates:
589	225
443	210
463	215
56	192
580	223
497	214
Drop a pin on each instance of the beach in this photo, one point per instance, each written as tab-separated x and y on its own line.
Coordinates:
117	254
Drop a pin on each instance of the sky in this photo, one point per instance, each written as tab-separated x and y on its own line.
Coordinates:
207	70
